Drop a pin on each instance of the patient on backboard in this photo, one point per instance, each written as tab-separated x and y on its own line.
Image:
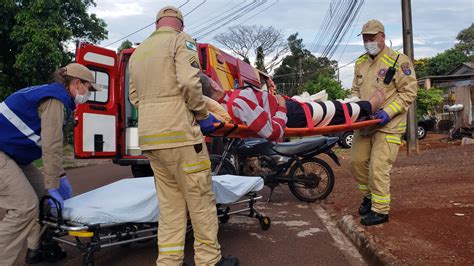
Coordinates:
268	115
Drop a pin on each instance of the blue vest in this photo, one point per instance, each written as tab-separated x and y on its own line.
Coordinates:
20	124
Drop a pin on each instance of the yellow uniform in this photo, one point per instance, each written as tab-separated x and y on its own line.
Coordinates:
165	87
375	149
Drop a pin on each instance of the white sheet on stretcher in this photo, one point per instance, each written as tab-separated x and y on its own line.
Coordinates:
134	199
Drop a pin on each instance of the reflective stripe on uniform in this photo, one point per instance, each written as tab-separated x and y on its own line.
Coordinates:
170	137
363	187
393	139
170	248
198	242
390	60
19	124
381	199
196	167
402	127
395	107
362	59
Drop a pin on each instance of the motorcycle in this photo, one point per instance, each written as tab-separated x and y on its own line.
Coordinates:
293	163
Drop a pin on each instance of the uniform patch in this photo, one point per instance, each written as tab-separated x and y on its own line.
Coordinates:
191	46
406	69
382	72
193	61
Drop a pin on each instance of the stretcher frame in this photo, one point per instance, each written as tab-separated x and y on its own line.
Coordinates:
231	130
90	238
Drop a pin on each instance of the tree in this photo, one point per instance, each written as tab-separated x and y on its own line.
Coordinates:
446	61
34	36
260	60
125	45
427	100
333	88
301	67
466	41
246	40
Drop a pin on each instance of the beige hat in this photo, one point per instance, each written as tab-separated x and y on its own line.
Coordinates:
372	27
169	11
81	72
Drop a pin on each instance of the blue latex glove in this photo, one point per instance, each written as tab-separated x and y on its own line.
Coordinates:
207	125
382	115
55	194
65	188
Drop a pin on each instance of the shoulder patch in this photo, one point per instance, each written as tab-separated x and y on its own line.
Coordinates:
191	46
193	62
406	69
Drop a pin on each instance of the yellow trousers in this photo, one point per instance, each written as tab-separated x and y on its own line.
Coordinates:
372	157
20	187
183	183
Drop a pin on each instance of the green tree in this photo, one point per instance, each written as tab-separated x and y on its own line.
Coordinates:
301	67
446	61
421	67
466	41
427	100
34	36
125	45
333	88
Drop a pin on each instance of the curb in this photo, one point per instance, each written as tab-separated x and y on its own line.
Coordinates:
364	242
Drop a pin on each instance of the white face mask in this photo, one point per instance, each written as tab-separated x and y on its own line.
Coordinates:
372	48
79	98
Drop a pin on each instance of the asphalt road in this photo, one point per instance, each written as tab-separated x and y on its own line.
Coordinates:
301	233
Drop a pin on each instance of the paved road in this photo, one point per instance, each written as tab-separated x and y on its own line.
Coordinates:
298	235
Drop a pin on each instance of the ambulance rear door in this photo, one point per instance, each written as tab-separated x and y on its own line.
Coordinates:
96	122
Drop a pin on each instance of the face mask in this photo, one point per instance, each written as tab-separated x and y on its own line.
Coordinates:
372	48
79	98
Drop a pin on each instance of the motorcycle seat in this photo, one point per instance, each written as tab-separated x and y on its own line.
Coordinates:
300	147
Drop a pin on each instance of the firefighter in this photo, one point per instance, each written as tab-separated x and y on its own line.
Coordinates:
375	149
31	122
165	87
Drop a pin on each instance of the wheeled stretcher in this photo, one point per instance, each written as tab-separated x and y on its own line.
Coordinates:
127	211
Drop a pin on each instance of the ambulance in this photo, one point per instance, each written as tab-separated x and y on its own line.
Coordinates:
106	126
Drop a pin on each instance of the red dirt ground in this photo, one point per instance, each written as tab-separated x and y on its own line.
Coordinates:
432	211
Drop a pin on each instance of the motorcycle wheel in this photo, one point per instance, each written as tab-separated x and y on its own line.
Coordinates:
316	183
227	167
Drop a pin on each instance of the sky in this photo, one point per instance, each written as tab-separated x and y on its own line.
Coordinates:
436	23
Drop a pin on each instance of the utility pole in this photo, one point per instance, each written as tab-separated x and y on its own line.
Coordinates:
412	127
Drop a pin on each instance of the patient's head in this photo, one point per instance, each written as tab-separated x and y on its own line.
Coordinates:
210	88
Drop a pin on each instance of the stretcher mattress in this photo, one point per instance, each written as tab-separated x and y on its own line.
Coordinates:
242	131
134	199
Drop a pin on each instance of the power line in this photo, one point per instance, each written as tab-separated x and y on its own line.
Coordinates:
137	31
252	7
208	22
192	10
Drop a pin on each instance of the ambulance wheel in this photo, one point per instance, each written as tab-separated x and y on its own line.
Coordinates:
141	170
265	222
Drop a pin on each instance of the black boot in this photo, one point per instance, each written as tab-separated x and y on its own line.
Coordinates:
228	261
365	206
33	256
374	218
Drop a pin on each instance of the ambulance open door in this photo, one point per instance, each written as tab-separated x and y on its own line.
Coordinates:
96	122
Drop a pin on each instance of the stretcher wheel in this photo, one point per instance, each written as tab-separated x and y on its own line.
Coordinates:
52	252
224	219
265	222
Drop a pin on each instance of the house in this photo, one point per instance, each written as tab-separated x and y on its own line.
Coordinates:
458	86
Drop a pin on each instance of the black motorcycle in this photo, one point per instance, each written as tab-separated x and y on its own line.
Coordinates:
293	163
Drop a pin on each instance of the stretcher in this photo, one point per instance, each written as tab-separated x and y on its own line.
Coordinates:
242	131
127	211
